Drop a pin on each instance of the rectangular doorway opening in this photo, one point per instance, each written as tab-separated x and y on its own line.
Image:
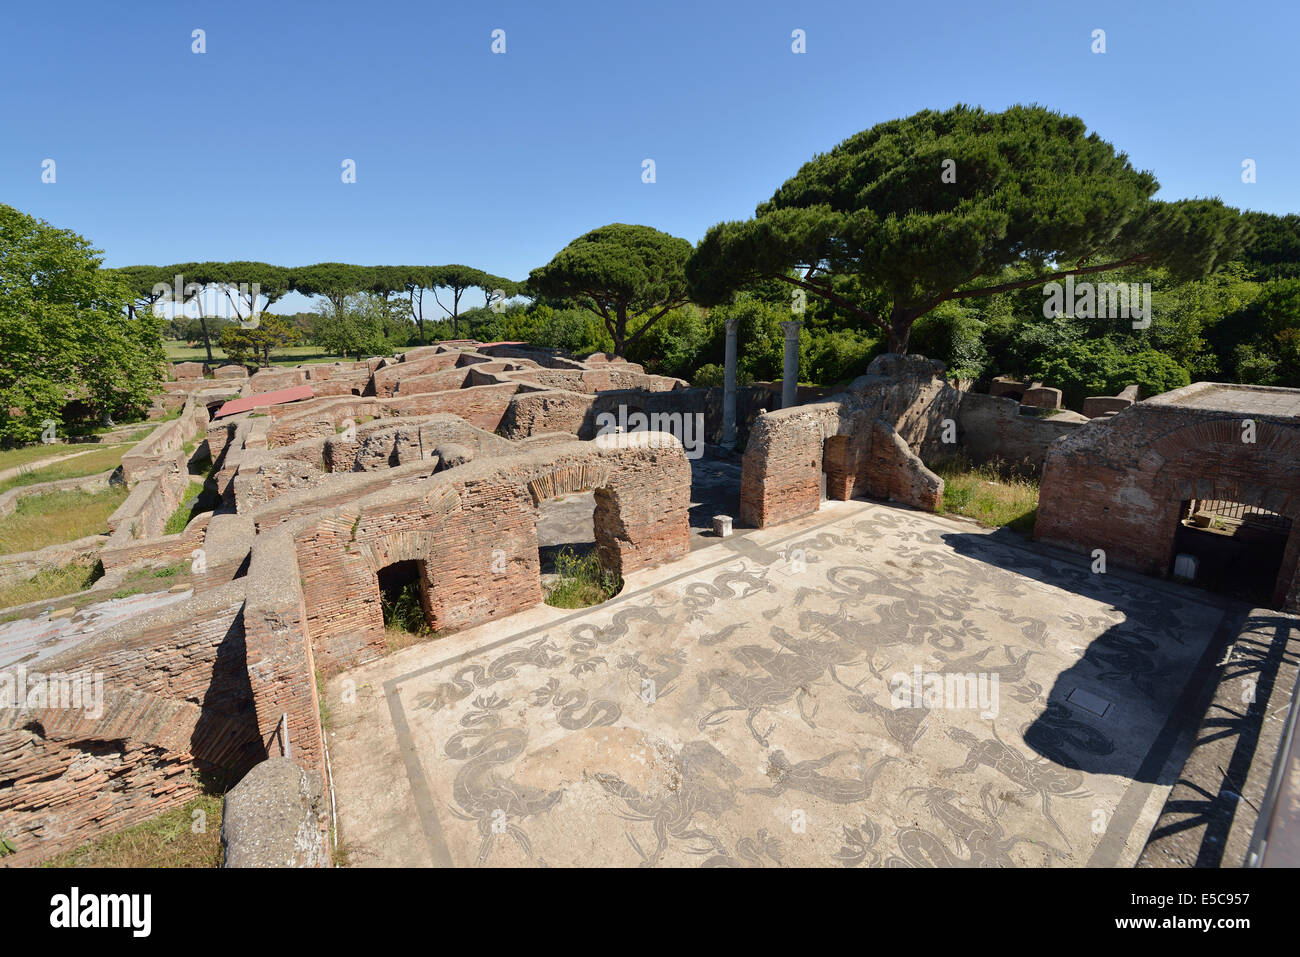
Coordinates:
1238	548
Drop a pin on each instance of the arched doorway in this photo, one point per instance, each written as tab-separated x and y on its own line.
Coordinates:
404	601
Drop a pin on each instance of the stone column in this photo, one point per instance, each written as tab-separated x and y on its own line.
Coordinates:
790	371
729	389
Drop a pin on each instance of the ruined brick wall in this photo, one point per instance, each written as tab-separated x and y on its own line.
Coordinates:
992	428
432	382
532	413
529	413
386	379
869	440
1119	484
176	701
160	548
269	380
599	380
163	442
482	406
474	530
547	358
281	663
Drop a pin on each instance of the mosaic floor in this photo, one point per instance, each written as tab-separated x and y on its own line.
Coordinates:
868	686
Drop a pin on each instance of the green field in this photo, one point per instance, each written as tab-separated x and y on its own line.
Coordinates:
290	356
100	459
51	518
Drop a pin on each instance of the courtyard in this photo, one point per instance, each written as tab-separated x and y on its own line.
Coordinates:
738	707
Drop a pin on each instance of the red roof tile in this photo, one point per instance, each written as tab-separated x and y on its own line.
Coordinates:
262	399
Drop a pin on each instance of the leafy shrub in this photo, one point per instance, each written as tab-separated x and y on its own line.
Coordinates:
1098	367
404	610
581	581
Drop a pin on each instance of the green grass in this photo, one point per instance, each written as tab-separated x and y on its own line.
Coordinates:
50	518
167	840
196	500
290	356
51	583
145	575
404	620
582	582
10	458
404	611
994	494
92	463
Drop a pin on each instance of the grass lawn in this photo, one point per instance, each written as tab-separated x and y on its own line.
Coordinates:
194	501
290	356
101	459
10	458
992	494
51	518
168	840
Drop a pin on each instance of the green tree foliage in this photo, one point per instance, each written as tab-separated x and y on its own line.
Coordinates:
334	281
1273	250
457	280
255	344
954	334
367	325
760	340
1263	337
629	276
876	227
1098	367
66	332
671	347
573	330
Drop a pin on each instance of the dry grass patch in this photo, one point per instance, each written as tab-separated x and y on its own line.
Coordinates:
51	518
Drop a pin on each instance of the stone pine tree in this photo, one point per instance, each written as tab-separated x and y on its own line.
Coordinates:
458	280
334	281
629	276
954	205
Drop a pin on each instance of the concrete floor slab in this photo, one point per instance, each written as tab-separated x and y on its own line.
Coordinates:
754	704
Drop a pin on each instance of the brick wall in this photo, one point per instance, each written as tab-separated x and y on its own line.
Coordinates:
473	528
1119	484
869	440
993	428
176	700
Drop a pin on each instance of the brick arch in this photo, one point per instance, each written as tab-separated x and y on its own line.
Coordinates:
569	480
641	514
1220	434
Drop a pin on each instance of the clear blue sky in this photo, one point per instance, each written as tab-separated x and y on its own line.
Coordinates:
497	161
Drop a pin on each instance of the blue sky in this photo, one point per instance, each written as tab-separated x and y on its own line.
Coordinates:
497	161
